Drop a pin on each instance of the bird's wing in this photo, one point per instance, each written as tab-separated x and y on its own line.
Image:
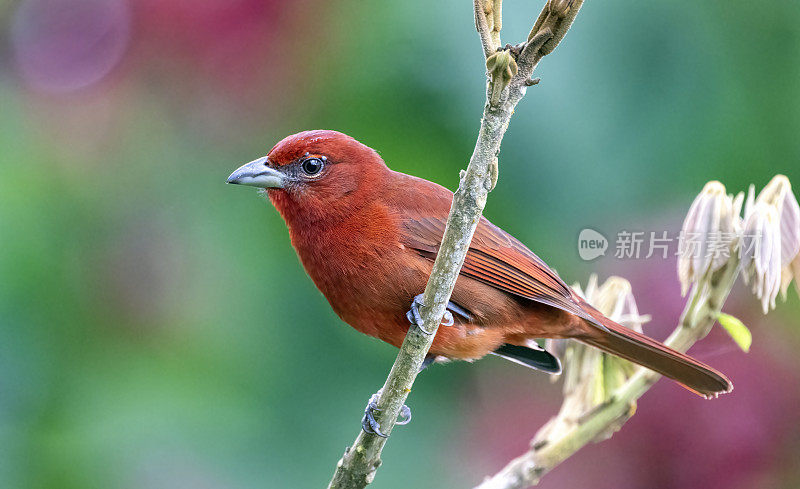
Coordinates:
498	259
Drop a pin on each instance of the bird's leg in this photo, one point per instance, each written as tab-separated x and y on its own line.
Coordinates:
415	317
370	425
458	310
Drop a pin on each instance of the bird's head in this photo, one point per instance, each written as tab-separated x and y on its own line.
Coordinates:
314	175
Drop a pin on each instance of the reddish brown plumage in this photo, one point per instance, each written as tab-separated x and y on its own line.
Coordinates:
367	236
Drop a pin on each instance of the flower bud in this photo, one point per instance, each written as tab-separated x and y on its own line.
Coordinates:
778	193
708	235
591	375
501	67
760	251
615	300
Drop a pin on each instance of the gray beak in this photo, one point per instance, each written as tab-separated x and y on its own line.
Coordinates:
258	174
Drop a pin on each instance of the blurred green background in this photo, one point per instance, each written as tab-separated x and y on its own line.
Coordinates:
157	330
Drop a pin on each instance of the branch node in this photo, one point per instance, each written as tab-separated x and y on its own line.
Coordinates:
494	173
501	67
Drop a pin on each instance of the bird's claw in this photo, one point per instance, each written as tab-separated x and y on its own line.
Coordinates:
414	315
405	415
370	425
415	318
447	319
368	422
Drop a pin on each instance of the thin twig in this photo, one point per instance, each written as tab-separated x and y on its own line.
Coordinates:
550	28
359	463
700	314
485	32
497	19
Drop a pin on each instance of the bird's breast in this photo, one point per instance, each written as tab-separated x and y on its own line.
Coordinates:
361	268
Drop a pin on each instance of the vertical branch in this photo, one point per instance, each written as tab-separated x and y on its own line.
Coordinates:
357	467
359	463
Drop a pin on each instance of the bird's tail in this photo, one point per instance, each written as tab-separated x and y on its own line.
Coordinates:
647	352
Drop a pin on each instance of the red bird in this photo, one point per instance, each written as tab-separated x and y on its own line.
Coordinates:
368	236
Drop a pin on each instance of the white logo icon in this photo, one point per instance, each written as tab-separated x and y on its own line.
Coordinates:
591	244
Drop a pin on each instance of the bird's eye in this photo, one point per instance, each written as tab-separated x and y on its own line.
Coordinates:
312	166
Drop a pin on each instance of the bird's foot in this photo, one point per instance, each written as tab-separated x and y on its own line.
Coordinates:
370	425
415	317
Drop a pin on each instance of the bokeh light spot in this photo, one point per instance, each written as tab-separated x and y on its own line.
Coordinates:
65	45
